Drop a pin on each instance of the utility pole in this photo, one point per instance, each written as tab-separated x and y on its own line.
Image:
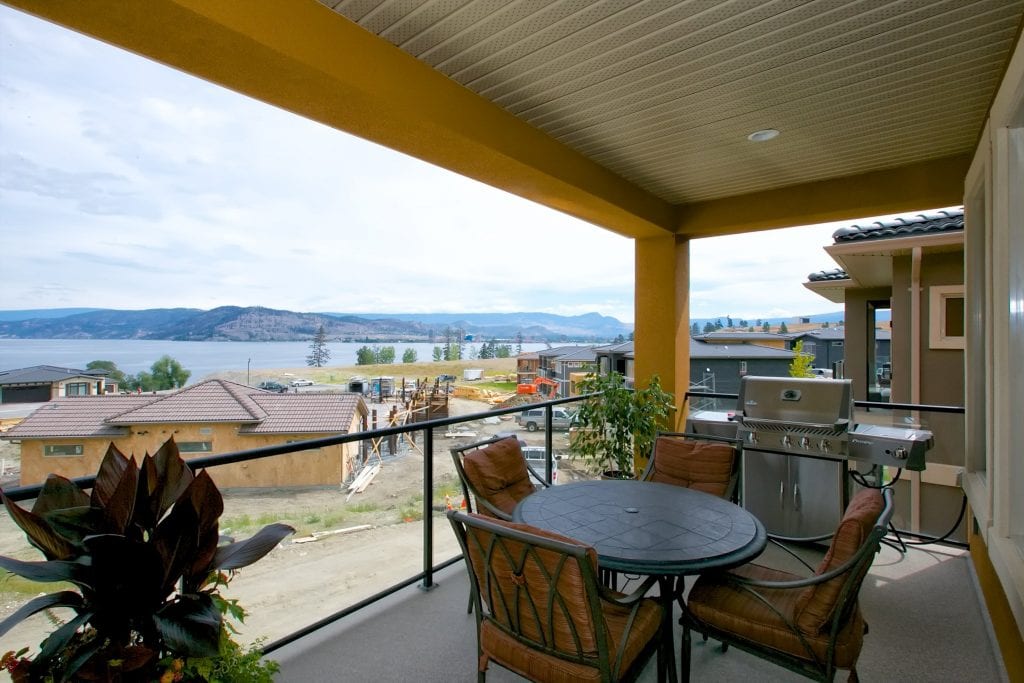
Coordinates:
247	364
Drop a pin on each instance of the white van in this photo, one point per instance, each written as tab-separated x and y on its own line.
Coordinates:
535	455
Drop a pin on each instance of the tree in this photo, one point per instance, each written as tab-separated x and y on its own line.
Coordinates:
365	356
319	354
113	372
503	351
694	329
708	327
766	327
409	356
386	355
782	328
728	321
802	362
438	353
718	324
620	339
165	373
519	343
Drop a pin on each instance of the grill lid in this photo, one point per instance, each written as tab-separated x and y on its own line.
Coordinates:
796	403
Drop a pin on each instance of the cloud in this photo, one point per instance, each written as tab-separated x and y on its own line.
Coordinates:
126	184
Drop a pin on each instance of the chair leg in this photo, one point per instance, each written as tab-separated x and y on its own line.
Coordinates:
684	655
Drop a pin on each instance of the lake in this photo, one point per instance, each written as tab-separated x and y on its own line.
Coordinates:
201	358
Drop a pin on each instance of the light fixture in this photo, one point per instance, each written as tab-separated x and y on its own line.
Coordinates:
763	135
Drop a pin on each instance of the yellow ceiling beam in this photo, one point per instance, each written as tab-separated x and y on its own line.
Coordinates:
307	59
925	185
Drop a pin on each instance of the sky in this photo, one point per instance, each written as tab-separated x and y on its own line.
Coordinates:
126	184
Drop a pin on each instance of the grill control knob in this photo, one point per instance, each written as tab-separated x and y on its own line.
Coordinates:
900	453
805	442
787	441
752	438
825	446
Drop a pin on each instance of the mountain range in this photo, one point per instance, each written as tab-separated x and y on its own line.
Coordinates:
256	323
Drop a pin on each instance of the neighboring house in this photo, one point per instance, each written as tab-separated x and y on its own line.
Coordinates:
527	366
772	339
719	367
714	368
46	382
570	367
916	268
70	436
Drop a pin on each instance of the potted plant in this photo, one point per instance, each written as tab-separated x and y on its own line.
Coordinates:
144	552
617	422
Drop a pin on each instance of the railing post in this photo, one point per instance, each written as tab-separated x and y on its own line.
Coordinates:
428	510
548	444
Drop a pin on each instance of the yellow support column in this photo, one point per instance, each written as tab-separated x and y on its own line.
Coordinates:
662	315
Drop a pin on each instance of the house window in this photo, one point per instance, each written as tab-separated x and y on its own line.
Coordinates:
946	317
837	344
743	367
195	446
63	450
76	389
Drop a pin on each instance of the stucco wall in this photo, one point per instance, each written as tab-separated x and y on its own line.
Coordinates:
320	467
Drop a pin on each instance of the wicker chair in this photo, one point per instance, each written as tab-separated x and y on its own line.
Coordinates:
541	612
695	461
494	476
812	626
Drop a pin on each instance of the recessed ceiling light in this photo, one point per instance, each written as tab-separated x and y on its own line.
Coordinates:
762	135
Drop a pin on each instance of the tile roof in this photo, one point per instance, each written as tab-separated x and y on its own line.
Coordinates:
933	222
216	400
45	374
306	412
77	416
828	275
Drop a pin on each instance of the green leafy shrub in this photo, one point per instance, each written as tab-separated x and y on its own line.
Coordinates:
143	550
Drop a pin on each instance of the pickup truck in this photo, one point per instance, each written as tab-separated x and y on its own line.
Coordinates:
272	386
534	419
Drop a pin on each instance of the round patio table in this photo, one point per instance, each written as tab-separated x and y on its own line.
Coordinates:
648	528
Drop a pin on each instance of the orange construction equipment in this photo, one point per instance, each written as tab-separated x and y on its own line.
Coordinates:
540	385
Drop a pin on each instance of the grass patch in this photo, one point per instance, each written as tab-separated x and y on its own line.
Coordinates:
362	507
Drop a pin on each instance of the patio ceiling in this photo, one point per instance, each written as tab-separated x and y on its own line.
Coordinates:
633	116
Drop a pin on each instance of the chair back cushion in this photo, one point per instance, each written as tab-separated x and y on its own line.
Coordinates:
498	473
817	603
532	592
703	465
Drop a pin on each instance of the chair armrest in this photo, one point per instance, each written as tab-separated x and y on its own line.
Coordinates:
631	598
533	473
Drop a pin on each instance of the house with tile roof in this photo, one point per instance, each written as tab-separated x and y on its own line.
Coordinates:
914	267
46	382
70	435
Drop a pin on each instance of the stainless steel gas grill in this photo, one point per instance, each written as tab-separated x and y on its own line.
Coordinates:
796	416
797	435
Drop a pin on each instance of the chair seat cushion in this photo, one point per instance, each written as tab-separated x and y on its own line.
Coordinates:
734	610
499	474
540	666
702	465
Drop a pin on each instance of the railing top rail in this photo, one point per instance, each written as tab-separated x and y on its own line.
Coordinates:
29	492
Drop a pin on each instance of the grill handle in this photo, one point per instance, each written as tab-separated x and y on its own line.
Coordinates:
796	497
840	425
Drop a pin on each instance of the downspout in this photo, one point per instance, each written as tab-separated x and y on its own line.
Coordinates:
915	375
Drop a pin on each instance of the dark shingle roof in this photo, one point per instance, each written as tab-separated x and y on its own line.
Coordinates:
933	222
45	374
702	349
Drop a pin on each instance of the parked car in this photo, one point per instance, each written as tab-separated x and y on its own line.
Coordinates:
534	419
273	386
822	373
302	382
535	457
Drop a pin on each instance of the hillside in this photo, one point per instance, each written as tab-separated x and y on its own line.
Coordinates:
234	323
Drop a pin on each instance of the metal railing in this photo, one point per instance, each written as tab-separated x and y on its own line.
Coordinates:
426	576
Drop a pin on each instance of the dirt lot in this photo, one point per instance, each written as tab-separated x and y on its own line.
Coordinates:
362	545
